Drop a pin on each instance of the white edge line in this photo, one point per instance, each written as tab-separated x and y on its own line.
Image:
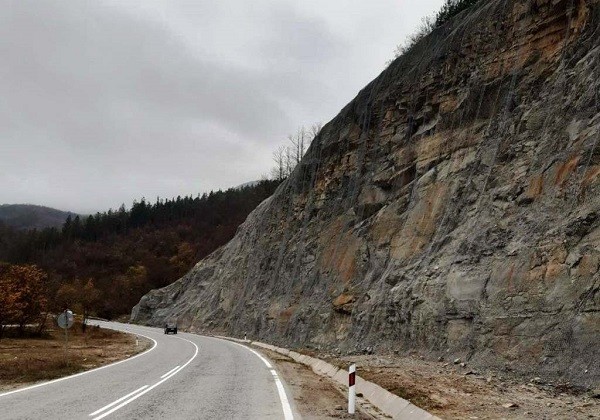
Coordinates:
136	396
169	372
106	407
285	403
87	371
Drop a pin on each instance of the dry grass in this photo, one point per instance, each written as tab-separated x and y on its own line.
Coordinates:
32	359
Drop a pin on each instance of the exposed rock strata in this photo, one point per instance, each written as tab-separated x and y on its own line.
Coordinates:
453	206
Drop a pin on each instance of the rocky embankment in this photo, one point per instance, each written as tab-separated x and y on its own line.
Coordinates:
452	208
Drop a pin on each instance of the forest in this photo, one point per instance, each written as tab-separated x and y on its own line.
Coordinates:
102	264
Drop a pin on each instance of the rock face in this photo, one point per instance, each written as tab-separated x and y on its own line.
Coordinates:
453	207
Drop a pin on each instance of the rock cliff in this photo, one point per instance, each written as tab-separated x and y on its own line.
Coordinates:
451	208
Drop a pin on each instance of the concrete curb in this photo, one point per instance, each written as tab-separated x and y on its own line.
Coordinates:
390	404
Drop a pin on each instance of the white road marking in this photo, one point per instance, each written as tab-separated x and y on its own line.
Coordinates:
136	396
285	403
86	372
106	407
171	371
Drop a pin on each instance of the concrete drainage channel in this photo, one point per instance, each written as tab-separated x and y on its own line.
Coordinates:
388	403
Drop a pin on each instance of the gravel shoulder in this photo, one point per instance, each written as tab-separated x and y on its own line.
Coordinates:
315	397
454	390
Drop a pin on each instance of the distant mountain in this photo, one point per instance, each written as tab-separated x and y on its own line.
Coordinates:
28	216
247	184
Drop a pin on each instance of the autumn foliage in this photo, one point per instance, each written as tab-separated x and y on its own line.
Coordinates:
23	296
103	264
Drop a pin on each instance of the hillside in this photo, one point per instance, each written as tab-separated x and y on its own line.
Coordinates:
28	216
109	260
452	208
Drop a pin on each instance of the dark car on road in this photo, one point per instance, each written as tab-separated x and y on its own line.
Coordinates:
170	327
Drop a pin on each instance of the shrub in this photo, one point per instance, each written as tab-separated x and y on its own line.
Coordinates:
449	9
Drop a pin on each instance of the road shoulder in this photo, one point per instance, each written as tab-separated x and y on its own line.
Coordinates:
314	397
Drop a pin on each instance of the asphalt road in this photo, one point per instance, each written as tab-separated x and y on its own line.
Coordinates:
183	376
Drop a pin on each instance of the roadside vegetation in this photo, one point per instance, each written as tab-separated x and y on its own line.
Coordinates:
23	298
32	356
32	346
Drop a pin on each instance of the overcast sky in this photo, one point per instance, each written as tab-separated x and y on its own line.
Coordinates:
103	102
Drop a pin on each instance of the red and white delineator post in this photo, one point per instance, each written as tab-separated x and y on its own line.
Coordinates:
351	388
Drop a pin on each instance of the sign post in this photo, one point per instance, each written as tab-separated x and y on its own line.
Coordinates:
65	321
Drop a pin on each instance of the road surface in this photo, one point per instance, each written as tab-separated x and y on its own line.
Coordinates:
183	376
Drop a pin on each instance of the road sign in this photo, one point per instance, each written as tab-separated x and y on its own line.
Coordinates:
65	319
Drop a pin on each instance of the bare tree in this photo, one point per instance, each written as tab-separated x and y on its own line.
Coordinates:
297	144
293	148
279	170
287	157
301	140
315	129
289	161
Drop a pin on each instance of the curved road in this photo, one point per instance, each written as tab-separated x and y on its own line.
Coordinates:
183	376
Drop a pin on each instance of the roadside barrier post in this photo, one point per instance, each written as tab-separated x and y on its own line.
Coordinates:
351	388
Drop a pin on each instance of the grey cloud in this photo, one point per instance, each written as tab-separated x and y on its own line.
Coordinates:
104	102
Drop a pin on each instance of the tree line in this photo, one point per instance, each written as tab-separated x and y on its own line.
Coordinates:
102	264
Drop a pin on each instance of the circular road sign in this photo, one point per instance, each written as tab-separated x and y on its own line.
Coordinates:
65	319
